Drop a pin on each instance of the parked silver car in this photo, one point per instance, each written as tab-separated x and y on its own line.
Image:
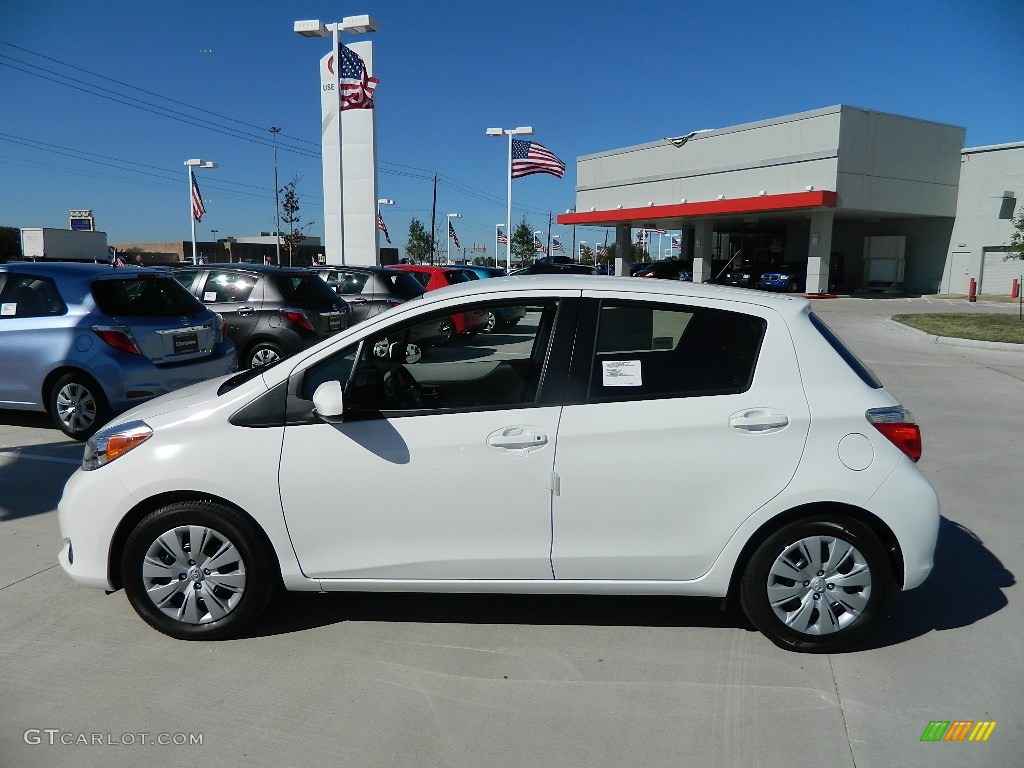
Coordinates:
86	341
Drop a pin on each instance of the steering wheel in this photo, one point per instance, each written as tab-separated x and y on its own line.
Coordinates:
401	389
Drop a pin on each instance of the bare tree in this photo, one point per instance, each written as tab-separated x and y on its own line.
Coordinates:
296	233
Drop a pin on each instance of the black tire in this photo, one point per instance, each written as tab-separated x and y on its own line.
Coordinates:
446	331
263	353
793	287
814	611
78	406
211	603
492	322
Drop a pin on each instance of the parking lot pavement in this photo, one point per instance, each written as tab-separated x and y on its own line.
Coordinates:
397	680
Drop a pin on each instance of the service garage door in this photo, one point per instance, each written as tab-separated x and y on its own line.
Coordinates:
999	274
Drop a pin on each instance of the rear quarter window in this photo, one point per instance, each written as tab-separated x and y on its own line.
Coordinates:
144	296
30	296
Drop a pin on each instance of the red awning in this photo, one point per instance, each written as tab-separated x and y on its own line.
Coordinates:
815	199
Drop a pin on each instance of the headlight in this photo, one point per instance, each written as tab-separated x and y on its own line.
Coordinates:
113	442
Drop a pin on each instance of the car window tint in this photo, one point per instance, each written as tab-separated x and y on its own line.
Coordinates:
226	287
337	367
144	296
644	351
304	289
28	296
404	285
454	276
501	369
421	277
354	283
185	276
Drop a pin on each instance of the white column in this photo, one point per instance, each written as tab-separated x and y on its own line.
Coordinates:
703	231
819	248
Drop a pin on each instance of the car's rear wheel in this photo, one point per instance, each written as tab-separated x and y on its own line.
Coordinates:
492	322
78	406
446	331
817	585
264	353
197	570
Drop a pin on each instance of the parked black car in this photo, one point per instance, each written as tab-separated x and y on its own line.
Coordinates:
746	275
368	291
669	269
540	268
271	312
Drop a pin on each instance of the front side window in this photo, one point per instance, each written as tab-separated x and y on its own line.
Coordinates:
407	369
657	351
225	287
30	296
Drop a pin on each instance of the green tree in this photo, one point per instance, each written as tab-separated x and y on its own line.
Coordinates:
10	243
1017	238
296	230
418	247
522	243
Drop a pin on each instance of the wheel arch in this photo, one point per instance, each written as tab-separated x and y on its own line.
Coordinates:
153	503
877	526
57	373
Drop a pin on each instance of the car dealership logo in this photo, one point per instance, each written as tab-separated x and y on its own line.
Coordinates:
958	730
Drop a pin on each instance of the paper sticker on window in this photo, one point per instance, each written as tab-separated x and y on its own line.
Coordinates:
209	296
8	310
621	373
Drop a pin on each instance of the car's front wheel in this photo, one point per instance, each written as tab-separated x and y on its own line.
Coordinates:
197	570
78	406
492	322
446	331
817	585
264	353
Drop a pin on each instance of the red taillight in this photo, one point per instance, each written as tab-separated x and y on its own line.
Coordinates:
118	338
897	424
298	317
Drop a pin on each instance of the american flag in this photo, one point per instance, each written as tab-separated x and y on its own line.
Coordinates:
641	237
657	231
452	235
502	237
383	227
556	245
530	157
197	199
675	243
538	245
356	88
602	250
117	261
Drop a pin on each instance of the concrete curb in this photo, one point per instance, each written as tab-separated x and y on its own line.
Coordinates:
950	341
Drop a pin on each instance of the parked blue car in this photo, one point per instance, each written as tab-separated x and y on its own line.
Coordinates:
500	317
83	342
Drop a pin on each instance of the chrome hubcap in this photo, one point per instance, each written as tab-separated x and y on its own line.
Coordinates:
76	407
819	585
263	357
194	574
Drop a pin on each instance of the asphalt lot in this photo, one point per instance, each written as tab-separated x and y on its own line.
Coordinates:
394	680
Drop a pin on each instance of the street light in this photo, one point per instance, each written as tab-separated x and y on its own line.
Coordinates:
448	256
582	245
357	25
497	231
215	231
523	130
194	204
274	130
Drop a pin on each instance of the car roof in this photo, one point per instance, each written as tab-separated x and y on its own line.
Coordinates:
74	269
355	268
245	267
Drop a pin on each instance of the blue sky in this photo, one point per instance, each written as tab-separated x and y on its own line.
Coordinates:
588	75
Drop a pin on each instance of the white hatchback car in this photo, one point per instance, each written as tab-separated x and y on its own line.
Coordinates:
628	436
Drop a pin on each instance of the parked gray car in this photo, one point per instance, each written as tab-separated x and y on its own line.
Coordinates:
83	342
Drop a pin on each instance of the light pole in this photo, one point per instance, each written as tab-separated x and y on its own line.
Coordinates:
448	256
194	204
215	249
523	130
380	202
497	231
274	130
583	244
357	25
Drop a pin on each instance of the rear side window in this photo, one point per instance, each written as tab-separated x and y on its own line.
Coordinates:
865	373
353	283
30	296
647	351
304	289
144	296
457	276
224	287
404	285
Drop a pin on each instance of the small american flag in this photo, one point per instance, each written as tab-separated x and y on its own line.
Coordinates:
356	88
538	245
452	235
657	231
530	157
197	199
602	250
557	246
383	227
502	237
675	243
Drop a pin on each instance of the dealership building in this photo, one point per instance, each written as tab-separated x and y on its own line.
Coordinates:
868	201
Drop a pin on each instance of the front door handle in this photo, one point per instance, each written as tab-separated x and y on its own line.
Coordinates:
244	311
758	420
518	438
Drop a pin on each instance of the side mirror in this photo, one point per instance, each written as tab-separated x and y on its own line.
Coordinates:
328	402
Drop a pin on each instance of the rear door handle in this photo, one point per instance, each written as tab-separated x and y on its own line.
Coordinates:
244	311
758	420
518	438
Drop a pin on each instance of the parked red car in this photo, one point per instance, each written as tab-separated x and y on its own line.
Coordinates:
432	278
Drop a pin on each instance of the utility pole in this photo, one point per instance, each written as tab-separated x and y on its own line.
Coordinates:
274	130
433	224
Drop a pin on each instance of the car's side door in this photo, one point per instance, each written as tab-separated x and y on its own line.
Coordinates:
441	468
694	417
228	293
35	335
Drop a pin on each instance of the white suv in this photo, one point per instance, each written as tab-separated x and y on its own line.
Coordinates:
628	436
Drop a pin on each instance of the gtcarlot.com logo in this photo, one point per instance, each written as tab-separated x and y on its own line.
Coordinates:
958	730
55	736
